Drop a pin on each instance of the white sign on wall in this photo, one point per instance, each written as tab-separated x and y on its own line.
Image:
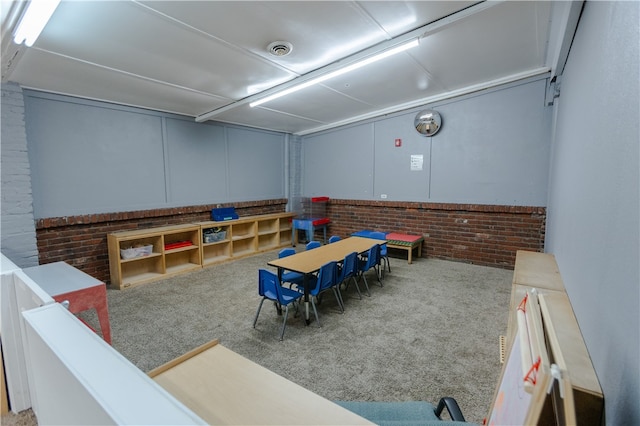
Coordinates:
416	162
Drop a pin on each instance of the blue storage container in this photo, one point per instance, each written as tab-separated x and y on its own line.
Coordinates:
224	213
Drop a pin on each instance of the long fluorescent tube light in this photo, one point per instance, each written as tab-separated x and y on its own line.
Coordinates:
34	20
349	68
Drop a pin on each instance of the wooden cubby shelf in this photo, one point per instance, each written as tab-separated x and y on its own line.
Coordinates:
175	249
171	250
246	236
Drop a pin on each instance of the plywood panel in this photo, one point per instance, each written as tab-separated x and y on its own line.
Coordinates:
226	388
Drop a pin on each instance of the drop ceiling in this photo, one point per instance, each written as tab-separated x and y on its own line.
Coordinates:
208	59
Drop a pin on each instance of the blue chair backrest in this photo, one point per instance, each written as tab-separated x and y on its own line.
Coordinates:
313	244
326	277
378	235
333	239
286	252
349	266
269	285
373	258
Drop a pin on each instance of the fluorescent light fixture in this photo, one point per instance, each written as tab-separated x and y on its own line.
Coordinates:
34	20
348	68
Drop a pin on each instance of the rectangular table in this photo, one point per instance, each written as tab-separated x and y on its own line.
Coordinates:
63	283
310	261
224	388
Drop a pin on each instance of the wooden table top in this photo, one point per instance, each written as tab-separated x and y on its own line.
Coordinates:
310	261
224	388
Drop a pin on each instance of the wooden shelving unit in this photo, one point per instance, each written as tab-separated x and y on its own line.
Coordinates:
540	271
246	236
175	250
182	248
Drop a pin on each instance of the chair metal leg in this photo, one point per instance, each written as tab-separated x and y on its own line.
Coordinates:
384	264
378	274
255	320
366	284
315	311
355	280
336	293
284	322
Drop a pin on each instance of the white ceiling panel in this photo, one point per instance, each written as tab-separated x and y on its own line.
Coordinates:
68	77
334	29
318	103
396	79
140	47
264	118
209	59
398	17
489	45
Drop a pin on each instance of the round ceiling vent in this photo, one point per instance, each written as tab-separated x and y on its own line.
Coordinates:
280	48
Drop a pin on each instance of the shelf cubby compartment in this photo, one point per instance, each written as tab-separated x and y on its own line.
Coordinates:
243	246
183	240
268	241
141	270
216	252
285	224
267	226
285	236
182	260
243	230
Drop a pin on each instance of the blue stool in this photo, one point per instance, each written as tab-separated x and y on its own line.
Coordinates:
307	226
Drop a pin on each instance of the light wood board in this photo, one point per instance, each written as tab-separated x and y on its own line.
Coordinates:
223	387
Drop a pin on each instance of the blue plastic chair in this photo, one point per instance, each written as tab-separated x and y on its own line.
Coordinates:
312	244
349	270
270	289
334	238
327	279
383	249
372	261
290	276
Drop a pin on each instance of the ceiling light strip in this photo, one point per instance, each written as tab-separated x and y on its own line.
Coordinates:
34	20
336	73
417	33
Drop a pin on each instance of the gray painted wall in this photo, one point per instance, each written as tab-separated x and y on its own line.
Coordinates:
593	211
17	228
90	157
493	148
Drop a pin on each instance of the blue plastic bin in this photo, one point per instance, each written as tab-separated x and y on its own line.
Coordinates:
224	213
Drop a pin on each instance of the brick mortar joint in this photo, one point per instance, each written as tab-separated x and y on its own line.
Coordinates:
421	206
96	218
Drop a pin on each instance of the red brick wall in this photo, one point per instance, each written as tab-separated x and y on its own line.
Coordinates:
81	241
480	234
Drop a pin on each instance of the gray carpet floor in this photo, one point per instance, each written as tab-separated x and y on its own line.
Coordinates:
433	330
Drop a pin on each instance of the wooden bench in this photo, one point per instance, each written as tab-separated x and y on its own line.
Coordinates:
405	242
